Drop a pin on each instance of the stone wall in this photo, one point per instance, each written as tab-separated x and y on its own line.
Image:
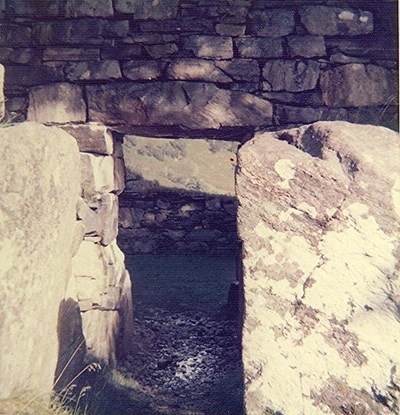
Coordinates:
65	294
179	196
178	66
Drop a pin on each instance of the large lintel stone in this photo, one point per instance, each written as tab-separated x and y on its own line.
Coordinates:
192	105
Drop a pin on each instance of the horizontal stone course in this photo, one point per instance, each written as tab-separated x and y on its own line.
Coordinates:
80	71
259	47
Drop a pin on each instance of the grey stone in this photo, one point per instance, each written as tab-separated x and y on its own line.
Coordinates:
88	8
121	52
307	46
143	69
84	71
20	55
287	114
58	103
355	85
119	175
210	46
292	76
16	109
241	69
225	29
92	137
30	8
259	47
38	229
26	76
71	54
331	21
342	58
271	23
197	70
314	203
307	98
159	51
143	9
194	105
150	38
193	25
15	35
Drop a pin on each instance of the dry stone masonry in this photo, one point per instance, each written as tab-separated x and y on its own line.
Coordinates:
319	216
184	65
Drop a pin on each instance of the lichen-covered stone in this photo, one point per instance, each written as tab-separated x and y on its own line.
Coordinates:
259	47
40	180
292	76
331	21
355	85
319	218
193	105
143	69
307	46
271	23
84	71
58	103
217	47
144	9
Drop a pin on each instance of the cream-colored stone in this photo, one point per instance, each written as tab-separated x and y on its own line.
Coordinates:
321	285
40	186
97	174
2	100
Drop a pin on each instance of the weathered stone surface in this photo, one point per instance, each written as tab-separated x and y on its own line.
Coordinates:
83	71
97	175
292	76
210	46
272	23
92	138
160	51
31	75
107	321
2	100
225	29
241	69
71	54
320	226
31	8
58	103
143	69
193	25
331	21
306	98
306	46
121	52
38	230
119	175
15	35
287	114
89	8
20	55
143	9
101	218
150	38
194	105
355	85
342	58
259	47
197	70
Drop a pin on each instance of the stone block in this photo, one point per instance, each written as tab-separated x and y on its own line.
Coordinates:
59	103
44	8
119	175
143	69
26	76
210	46
151	38
194	105
20	55
2	100
343	58
125	218
319	218
88	8
241	69
259	47
306	46
92	138
121	52
306	98
15	35
97	175
38	228
356	85
143	9
287	114
334	21
292	76
225	29
197	70
160	51
71	54
85	71
271	23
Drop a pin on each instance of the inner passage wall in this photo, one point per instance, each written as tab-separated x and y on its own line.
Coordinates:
179	197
